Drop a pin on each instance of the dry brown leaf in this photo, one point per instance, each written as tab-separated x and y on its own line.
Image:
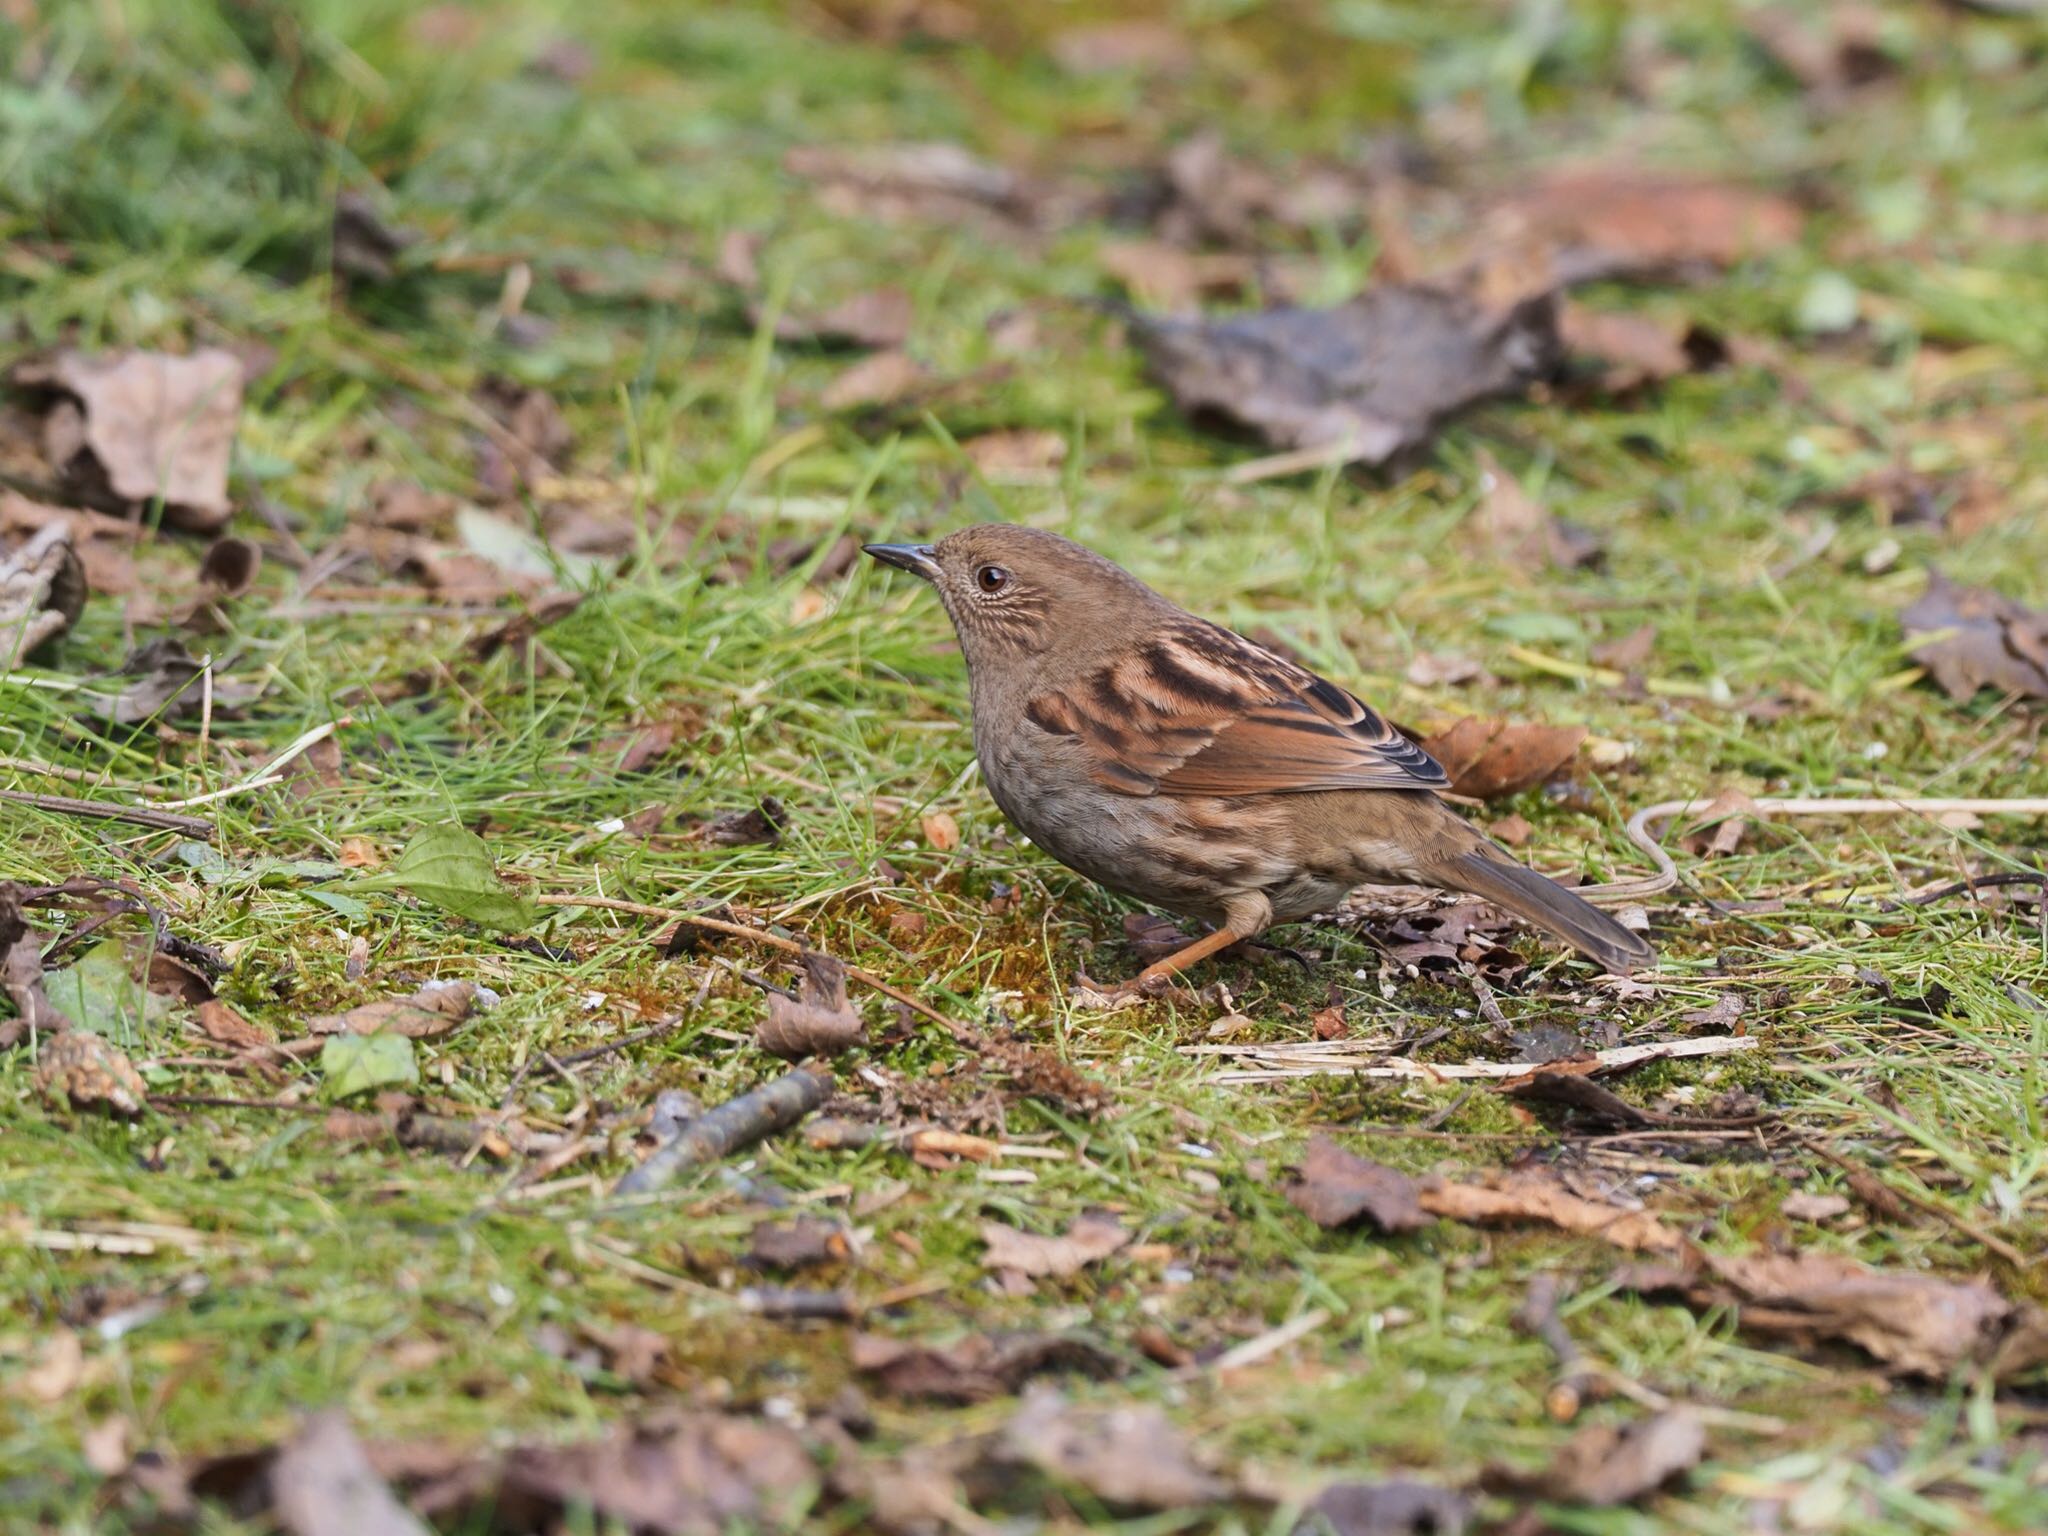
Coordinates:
1527	1197
1801	1205
1329	1023
1633	350
1394	1508
104	545
1606	1464
1721	825
974	1368
1631	652
59	1368
1369	380
1130	1457
1977	638
1511	831
1021	452
43	591
1122	47
1490	759
879	318
152	425
1335	1187
804	1243
882	379
684	1473
1430	669
941	831
1917	1323
1829	50
224	1026
1088	1241
86	1071
21	973
1579	226
740	829
818	1021
1520	530
322	1484
435	1010
1170	280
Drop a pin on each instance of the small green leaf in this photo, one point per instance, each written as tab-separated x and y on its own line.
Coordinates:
101	996
450	867
352	1064
334	901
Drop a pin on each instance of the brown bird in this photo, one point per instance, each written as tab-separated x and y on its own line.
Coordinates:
1179	763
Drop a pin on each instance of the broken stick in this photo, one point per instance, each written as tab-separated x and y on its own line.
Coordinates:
737	1123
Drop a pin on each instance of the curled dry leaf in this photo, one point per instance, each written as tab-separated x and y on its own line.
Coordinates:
1130	1457
1529	1197
88	1071
941	831
1918	1324
740	829
42	592
1488	759
1335	1187
1089	1240
1973	637
224	1026
104	545
433	1011
168	680
21	974
1606	1464
1369	379
818	1021
1721	825
153	426
230	566
1633	350
976	1367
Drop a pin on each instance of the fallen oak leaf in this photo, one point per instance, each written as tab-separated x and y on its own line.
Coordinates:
1088	1241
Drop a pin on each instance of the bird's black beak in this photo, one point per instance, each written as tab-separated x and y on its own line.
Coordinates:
918	559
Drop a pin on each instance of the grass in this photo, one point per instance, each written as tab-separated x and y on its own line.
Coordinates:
169	171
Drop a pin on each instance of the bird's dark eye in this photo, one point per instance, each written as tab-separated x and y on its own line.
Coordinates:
991	578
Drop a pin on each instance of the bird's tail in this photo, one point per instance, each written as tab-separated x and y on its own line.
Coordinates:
1492	874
